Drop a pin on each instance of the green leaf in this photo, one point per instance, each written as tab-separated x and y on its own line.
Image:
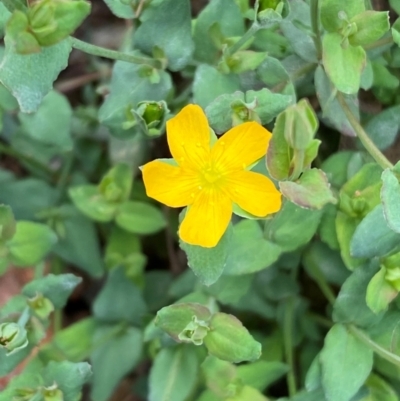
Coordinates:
350	305
174	373
130	84
175	318
119	300
80	245
383	77
227	15
332	112
250	252
4	16
379	389
230	341
121	8
31	243
208	263
219	375
73	342
311	190
140	218
91	203
209	83
383	127
69	377
371	25
380	292
339	357
27	197
55	288
230	289
7	223
331	10
51	124
30	77
296	27
173	19
343	65
245	60
373	237
267	105
323	263
247	393
122	352
276	78
279	154
261	374
390	195
396	32
292	226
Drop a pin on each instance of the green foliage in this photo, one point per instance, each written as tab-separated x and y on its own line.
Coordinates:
296	305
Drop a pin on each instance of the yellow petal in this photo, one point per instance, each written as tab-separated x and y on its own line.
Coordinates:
207	219
240	147
188	136
170	185
253	192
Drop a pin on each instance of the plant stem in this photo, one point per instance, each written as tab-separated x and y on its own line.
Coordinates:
382	352
113	54
369	145
24	317
248	35
35	163
314	10
288	346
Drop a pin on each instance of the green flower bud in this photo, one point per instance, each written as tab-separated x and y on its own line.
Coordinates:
53	20
194	332
265	4
13	337
52	393
42	306
153	112
17	29
116	184
244	112
301	125
151	117
392	276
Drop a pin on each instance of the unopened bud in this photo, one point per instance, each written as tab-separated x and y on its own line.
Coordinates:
13	337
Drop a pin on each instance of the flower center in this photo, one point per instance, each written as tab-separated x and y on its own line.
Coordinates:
211	176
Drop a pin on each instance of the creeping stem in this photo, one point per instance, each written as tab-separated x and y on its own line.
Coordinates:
369	145
247	36
113	54
314	13
288	345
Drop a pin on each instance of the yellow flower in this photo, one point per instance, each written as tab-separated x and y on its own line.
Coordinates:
210	177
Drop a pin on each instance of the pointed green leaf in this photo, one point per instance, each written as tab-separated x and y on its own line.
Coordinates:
346	363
